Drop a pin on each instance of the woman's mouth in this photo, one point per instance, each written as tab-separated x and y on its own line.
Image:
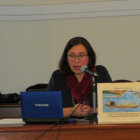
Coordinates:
77	67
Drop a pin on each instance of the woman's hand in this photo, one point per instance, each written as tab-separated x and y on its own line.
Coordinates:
78	111
81	110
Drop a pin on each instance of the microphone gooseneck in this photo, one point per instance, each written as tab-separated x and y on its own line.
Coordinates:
84	68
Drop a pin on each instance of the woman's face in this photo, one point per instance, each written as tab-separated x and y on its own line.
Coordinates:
77	56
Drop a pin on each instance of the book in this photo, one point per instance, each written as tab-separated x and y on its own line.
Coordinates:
118	103
11	110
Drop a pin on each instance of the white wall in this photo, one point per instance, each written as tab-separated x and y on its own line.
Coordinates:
30	50
41	2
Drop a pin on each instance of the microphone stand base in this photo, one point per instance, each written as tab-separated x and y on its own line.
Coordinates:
92	118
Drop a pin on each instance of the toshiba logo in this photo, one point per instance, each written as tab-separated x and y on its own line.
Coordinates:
41	105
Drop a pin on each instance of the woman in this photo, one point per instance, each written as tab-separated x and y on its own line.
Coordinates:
75	85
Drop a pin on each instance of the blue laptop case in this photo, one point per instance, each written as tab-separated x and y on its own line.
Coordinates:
43	106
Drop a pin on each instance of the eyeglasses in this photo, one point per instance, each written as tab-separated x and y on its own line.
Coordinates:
81	57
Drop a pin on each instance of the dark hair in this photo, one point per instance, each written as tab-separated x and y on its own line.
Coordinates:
63	63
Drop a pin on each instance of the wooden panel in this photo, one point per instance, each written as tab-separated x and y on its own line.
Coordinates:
78	131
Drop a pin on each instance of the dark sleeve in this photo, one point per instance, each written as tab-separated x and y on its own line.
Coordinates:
103	75
52	85
57	83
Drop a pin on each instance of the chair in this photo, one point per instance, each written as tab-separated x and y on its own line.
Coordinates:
37	87
121	81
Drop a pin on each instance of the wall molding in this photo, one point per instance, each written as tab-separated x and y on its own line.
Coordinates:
68	11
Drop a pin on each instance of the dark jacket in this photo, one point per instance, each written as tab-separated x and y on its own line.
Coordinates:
58	83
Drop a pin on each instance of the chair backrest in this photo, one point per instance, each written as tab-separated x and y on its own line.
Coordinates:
121	81
37	87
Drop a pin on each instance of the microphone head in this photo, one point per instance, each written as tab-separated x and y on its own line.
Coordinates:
83	68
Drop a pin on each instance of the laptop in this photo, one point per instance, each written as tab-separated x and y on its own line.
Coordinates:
41	106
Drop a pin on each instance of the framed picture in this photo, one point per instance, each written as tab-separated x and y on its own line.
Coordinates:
118	103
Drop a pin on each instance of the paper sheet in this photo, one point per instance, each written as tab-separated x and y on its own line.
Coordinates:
11	121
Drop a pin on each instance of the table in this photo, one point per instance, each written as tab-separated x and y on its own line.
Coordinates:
70	131
81	130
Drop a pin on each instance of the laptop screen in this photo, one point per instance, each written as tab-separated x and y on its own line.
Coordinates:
41	106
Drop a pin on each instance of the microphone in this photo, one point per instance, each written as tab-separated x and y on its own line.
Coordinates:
94	90
84	68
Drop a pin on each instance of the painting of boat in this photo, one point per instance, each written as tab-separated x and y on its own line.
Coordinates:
113	104
121	101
